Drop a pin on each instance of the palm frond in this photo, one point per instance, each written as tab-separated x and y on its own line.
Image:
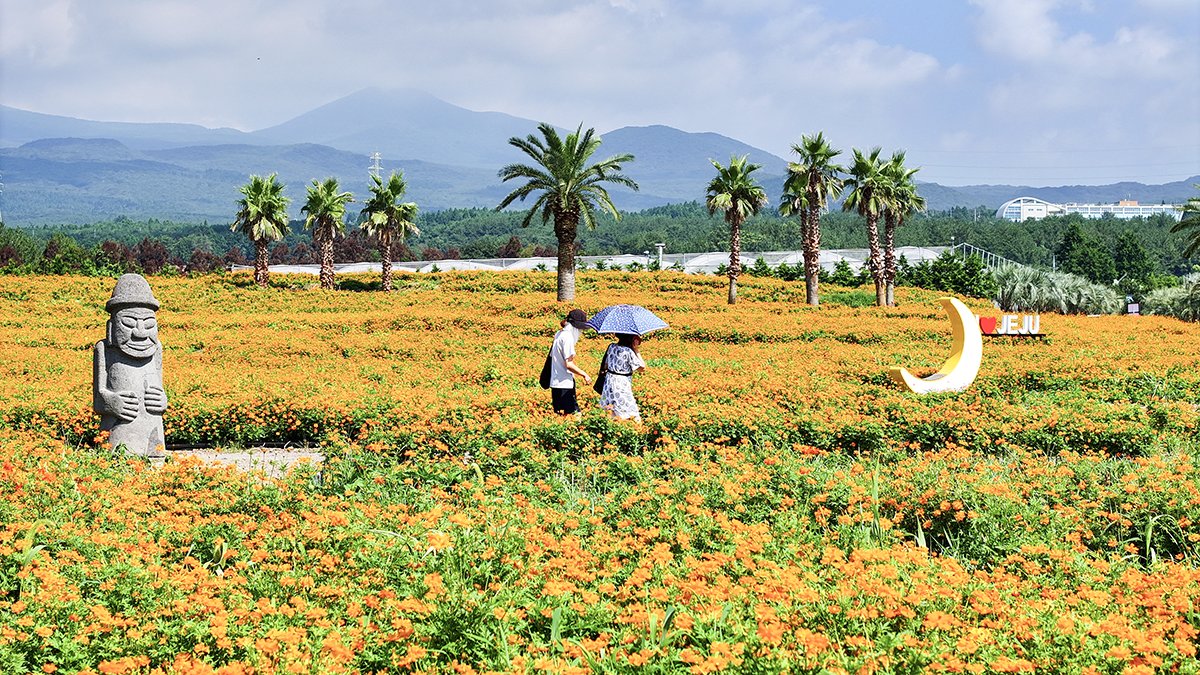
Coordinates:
262	212
562	177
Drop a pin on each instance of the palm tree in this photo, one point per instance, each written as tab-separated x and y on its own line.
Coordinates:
900	200
570	189
1189	223
736	193
262	217
326	209
808	185
388	220
867	191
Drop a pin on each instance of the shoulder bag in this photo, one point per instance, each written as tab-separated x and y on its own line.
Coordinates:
544	379
598	383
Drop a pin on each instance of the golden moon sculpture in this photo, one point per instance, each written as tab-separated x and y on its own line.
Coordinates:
959	371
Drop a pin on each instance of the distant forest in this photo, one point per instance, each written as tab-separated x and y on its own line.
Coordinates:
684	228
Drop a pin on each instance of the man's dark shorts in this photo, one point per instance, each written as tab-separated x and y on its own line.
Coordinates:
564	401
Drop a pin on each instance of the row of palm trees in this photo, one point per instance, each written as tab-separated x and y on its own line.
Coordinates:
877	189
262	217
570	190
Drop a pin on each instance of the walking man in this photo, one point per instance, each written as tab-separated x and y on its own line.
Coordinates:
563	366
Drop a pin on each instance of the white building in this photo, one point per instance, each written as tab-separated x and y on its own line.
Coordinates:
1026	208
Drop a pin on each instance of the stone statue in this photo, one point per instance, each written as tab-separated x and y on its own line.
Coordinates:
127	385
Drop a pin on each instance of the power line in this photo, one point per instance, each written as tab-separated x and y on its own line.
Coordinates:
1061	166
1059	151
1072	179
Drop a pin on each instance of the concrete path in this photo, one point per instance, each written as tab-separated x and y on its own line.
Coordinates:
270	461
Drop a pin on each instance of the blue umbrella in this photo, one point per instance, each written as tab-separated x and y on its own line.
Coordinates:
632	319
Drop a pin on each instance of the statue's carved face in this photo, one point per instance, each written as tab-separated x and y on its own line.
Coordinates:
135	331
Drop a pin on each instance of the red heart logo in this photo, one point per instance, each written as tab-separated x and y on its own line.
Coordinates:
987	324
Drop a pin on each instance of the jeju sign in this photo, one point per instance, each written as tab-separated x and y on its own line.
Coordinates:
1011	325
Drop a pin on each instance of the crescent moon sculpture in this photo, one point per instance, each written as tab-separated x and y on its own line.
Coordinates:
959	371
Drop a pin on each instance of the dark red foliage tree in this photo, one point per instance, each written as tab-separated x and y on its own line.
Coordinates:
510	248
203	262
151	255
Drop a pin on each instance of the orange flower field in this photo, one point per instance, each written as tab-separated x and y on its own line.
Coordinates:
782	508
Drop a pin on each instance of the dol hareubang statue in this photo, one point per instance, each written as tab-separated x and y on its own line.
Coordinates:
127	382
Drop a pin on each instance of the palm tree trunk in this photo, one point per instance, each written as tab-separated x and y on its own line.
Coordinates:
875	263
811	228
735	256
566	225
889	259
566	270
327	263
262	275
385	258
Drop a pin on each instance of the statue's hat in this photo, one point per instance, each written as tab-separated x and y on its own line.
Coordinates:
132	290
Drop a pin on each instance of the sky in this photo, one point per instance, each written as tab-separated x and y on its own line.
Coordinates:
1026	92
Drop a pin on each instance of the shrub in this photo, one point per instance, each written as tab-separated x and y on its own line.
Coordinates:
788	272
842	275
1026	289
961	275
16	248
1181	302
760	268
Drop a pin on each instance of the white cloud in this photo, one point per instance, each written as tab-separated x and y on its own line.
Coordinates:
36	32
763	71
1027	33
1175	7
1064	80
1018	29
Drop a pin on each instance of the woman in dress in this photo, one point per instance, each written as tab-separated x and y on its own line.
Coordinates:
621	361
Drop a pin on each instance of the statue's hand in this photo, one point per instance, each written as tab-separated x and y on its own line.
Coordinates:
123	404
156	400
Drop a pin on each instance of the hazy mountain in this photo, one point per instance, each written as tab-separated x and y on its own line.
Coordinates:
78	171
677	165
66	180
406	124
18	127
995	195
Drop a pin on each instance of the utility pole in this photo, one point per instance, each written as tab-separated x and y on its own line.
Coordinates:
660	247
1	201
375	165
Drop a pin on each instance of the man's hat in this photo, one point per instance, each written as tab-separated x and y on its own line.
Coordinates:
132	290
577	318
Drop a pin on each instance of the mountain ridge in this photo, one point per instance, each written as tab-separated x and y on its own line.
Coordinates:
62	169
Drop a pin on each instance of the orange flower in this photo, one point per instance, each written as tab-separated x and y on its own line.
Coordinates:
770	633
438	541
939	621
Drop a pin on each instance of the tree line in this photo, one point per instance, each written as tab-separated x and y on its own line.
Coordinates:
153	246
684	227
568	190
